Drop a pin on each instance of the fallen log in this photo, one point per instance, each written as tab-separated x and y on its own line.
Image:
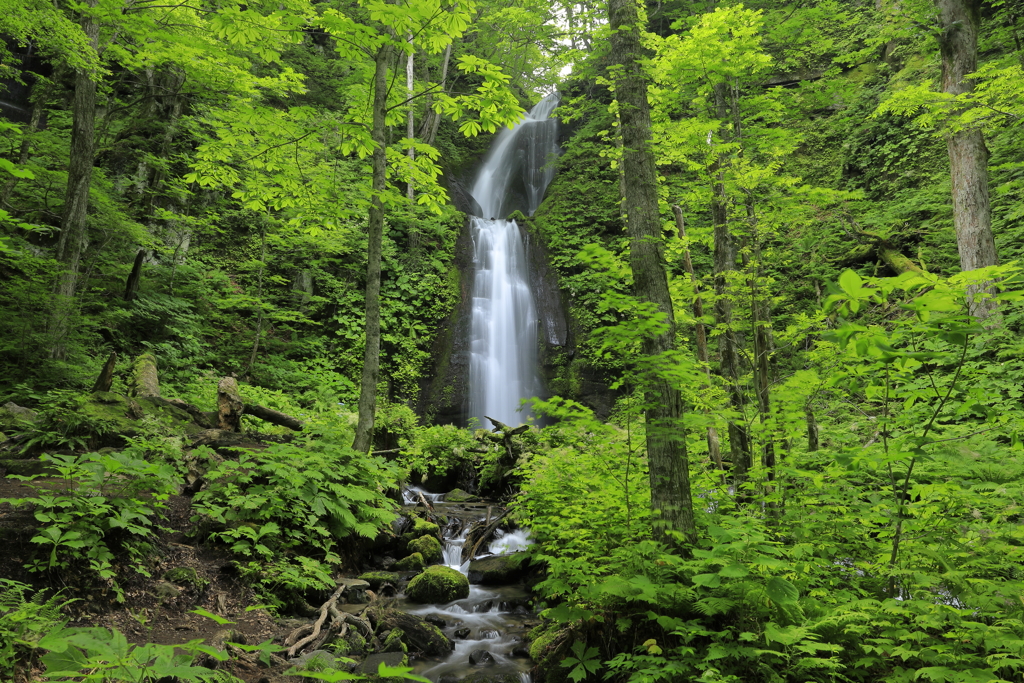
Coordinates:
273	416
478	534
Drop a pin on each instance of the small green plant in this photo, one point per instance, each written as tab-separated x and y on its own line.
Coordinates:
63	424
587	660
107	503
24	622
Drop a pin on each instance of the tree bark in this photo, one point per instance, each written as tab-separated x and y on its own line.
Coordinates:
229	405
435	120
375	229
410	117
724	262
273	416
714	448
106	378
73	234
666	445
968	155
34	123
131	286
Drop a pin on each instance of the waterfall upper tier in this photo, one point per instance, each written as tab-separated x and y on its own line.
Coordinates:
520	165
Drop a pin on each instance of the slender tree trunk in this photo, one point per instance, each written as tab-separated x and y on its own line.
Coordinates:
435	121
73	228
375	232
714	448
666	444
968	155
724	263
35	120
410	115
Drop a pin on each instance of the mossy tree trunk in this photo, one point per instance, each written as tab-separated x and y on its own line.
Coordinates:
666	444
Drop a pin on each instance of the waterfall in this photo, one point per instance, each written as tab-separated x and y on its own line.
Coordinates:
503	329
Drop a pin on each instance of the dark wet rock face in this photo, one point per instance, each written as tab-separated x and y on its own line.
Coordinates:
481	658
498	570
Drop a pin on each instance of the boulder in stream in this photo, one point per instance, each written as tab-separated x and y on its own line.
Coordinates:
421	526
427	546
481	658
375	579
416	634
411	563
460	496
498	570
438	584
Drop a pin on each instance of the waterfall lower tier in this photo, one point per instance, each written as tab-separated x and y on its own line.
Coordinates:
503	333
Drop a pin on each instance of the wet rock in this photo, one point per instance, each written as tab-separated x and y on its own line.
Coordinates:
392	641
438	584
460	496
486	677
498	570
417	635
370	664
435	620
427	546
481	658
413	562
375	579
521	651
484	607
462	633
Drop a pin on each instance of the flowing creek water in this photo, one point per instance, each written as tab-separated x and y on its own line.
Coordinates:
493	619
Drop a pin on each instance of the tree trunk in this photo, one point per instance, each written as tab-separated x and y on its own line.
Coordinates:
714	448
435	120
34	123
131	286
106	378
410	117
375	230
725	261
968	155
666	445
73	234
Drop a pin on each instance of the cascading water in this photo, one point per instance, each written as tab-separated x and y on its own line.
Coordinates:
491	620
503	363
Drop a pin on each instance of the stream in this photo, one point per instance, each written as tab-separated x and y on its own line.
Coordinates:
492	620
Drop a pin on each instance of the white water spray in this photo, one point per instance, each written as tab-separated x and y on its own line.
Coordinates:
503	362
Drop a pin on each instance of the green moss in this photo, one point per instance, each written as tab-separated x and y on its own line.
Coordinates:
393	642
427	546
422	526
541	643
459	496
186	576
375	579
411	563
438	584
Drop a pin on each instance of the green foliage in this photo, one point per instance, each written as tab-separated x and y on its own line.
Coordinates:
64	424
107	504
24	622
285	510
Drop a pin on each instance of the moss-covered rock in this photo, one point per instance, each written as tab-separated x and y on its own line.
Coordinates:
352	645
438	584
412	563
427	546
418	634
460	496
393	641
498	570
421	526
375	579
186	576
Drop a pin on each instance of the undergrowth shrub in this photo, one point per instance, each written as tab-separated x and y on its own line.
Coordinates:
284	510
105	508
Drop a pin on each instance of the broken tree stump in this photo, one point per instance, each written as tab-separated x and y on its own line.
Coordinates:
229	405
106	378
144	378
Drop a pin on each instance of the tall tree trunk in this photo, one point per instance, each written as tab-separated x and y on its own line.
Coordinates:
968	155
714	448
35	120
666	444
724	263
375	232
410	115
73	233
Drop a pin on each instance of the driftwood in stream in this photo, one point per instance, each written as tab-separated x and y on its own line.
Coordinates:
106	378
479	533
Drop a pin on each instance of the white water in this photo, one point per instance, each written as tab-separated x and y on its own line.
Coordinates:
503	330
